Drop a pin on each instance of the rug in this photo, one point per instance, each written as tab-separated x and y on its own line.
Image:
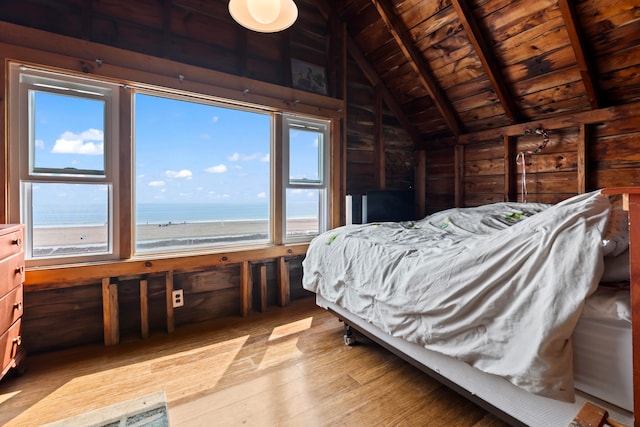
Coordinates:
145	411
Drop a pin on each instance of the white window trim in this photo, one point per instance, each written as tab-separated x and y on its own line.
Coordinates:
209	101
21	169
18	131
290	121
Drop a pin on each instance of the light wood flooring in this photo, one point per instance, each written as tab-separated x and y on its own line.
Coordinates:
285	367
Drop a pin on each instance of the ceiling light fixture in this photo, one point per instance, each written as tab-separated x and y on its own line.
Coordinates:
264	16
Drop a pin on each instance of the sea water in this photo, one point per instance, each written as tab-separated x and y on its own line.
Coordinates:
164	213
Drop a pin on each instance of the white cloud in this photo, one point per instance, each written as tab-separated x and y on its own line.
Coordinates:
39	143
246	157
215	119
221	168
265	158
88	142
156	184
262	195
184	173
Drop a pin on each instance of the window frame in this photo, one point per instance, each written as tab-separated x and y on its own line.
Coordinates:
322	184
22	172
209	101
120	158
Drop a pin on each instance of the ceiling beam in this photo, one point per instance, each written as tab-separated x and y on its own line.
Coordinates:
587	71
419	65
375	80
487	59
373	77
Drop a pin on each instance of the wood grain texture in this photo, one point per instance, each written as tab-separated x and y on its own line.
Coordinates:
286	367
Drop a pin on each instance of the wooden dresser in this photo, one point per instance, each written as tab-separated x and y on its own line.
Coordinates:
11	306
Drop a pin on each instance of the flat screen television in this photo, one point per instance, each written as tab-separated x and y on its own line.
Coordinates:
381	206
384	206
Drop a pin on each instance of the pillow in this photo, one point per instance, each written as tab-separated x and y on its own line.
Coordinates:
616	268
616	235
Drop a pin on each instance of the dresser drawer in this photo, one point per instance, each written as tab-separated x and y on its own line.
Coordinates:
11	240
10	308
11	272
10	343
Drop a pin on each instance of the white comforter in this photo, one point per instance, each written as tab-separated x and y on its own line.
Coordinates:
462	282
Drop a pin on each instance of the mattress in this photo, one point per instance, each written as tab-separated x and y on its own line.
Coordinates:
602	354
511	403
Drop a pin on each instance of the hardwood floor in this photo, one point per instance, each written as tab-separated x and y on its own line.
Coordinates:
285	367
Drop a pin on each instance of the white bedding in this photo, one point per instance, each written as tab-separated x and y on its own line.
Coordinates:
603	359
504	299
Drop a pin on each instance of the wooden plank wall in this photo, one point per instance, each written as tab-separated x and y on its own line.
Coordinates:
440	179
379	153
72	316
551	175
585	152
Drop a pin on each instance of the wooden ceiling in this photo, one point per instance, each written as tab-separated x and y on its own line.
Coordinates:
445	68
460	66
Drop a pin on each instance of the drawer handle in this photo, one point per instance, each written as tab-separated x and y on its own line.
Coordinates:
17	341
17	242
20	270
17	306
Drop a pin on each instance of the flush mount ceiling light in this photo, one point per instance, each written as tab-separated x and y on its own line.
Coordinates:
264	16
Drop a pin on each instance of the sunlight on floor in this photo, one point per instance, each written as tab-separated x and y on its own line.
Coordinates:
287	349
291	328
202	367
280	352
6	396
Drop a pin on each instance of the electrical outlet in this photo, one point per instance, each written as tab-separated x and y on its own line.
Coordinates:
178	298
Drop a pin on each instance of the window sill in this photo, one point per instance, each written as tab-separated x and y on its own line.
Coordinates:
70	275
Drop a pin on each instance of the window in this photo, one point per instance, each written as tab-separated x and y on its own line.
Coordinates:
306	184
65	179
202	170
202	174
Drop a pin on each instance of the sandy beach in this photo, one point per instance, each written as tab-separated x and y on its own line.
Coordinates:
97	234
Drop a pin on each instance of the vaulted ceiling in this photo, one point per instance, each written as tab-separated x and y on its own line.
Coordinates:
445	68
458	66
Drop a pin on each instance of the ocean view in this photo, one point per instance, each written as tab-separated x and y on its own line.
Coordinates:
164	213
68	230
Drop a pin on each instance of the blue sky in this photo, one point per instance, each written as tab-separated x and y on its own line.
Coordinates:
185	152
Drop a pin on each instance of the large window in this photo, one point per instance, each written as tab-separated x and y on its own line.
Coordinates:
202	174
202	170
306	176
63	178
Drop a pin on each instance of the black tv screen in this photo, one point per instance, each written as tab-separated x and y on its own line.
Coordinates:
394	205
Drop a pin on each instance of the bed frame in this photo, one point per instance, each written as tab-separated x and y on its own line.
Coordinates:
497	395
632	205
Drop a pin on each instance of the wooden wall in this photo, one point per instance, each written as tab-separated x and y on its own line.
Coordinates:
586	151
65	309
61	317
379	151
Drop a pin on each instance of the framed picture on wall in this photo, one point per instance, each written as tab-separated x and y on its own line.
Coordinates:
309	77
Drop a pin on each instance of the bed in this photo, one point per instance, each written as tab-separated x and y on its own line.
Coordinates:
523	308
